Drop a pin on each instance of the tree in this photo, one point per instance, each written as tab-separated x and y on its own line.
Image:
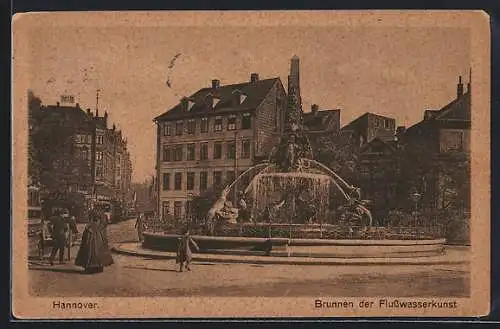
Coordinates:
34	105
338	152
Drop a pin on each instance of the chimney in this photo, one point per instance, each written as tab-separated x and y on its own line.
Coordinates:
77	105
254	77
314	108
184	103
58	104
89	113
460	87
96	113
400	132
215	83
114	127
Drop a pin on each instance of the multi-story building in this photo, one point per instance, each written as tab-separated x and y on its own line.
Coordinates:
369	126
76	154
212	136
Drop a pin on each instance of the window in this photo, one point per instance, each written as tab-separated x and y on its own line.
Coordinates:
98	171
246	122
231	122
89	139
178	181
166	182
167	129
203	180
177	210
245	149
230	177
218	123
231	150
451	140
165	205
178	153
204	125
217	150
100	139
191	151
167	153
191	126
85	154
179	127
190	181
98	156
217	178
204	151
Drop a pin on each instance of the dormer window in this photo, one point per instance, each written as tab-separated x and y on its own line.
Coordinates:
215	102
238	97
190	105
231	122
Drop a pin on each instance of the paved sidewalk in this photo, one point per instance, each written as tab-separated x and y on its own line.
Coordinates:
452	256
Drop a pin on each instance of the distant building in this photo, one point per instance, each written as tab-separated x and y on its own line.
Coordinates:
81	154
370	126
214	135
438	145
378	173
320	121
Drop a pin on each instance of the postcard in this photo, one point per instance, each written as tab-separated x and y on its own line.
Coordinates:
236	164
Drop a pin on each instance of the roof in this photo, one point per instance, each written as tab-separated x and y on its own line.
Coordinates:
458	109
320	120
255	93
351	125
390	145
72	112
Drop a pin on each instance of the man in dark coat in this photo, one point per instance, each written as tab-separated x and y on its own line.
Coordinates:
184	254
58	230
94	253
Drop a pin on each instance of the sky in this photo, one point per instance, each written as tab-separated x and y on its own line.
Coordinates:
393	71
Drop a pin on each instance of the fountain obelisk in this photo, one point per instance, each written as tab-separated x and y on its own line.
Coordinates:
293	116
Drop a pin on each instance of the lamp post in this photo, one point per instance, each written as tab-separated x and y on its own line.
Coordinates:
415	198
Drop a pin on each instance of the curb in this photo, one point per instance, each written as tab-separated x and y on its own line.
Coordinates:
287	261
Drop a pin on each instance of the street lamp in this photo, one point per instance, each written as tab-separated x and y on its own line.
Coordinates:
415	198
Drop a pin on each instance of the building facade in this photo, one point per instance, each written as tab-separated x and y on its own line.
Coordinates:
370	126
439	149
75	156
211	137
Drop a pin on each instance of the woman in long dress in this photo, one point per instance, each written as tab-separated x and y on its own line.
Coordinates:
94	253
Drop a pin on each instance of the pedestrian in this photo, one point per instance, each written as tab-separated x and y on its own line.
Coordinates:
184	254
94	253
58	229
73	228
140	226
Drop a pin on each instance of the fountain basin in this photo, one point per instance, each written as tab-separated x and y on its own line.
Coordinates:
315	248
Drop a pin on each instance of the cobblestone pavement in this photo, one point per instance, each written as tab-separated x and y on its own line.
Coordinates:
135	276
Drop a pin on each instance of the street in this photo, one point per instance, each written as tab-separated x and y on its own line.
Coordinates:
142	277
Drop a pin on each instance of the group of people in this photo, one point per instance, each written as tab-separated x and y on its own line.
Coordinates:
94	253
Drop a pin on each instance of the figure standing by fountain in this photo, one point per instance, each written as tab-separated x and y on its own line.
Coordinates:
184	254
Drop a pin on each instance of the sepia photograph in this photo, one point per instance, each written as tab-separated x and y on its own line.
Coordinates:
207	164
